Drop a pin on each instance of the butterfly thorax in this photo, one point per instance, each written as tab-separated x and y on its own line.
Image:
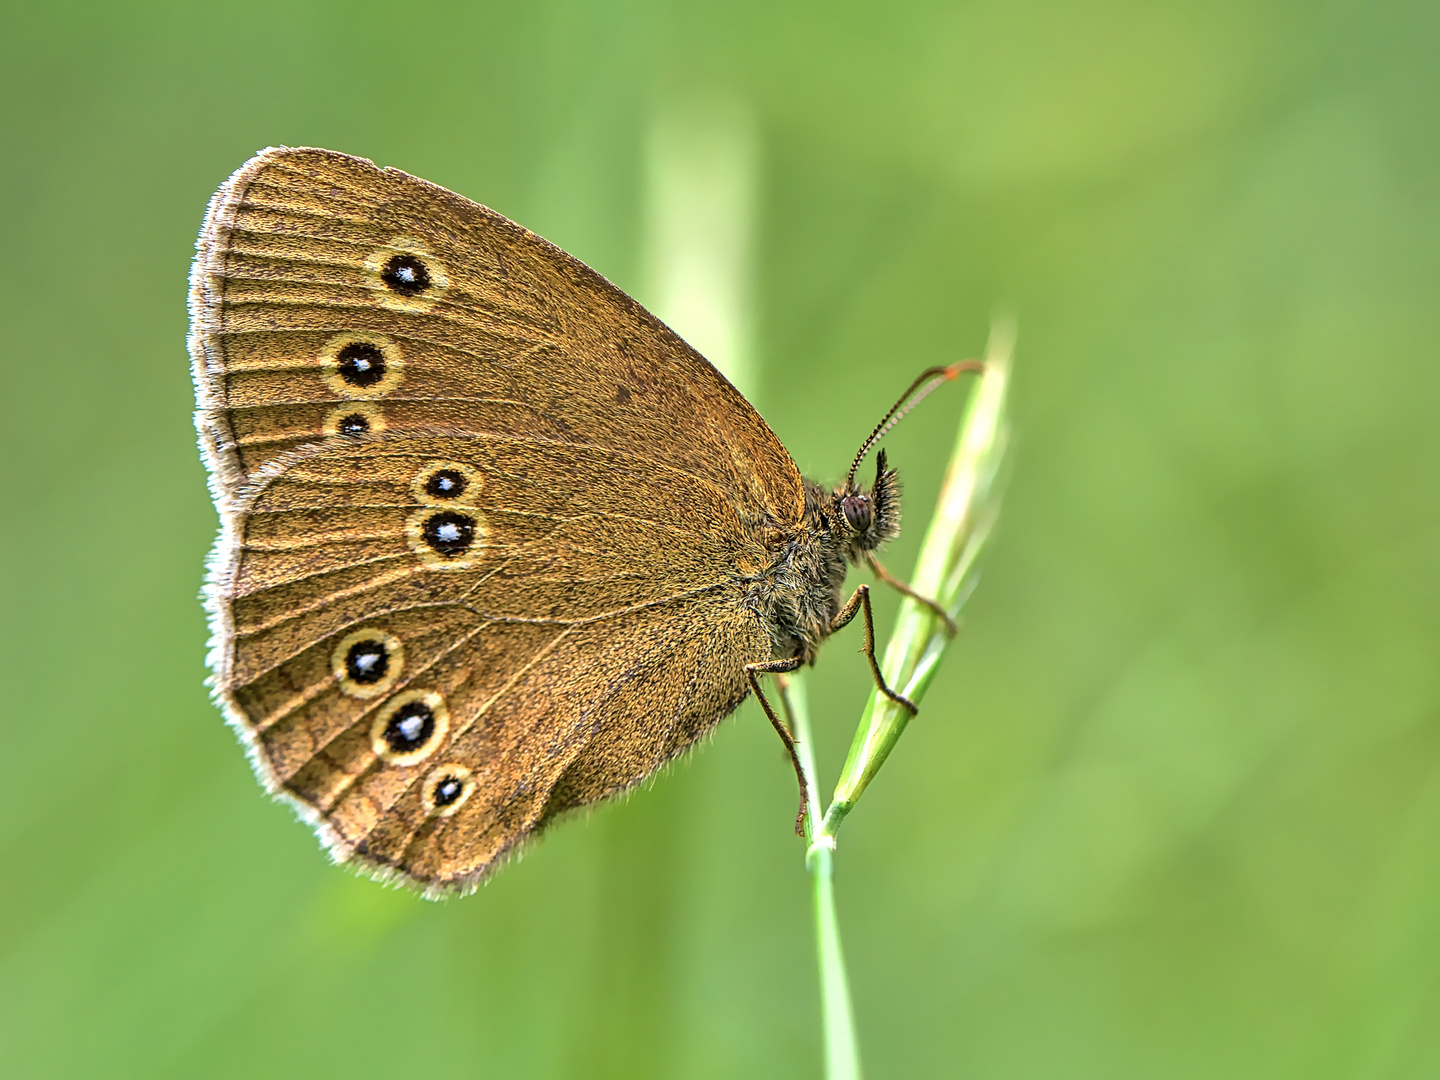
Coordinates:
802	590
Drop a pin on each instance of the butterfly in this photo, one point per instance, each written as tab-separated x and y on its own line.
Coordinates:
495	542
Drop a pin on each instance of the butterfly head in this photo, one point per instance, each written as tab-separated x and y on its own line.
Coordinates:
870	518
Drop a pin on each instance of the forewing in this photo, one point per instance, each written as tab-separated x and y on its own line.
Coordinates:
329	295
581	622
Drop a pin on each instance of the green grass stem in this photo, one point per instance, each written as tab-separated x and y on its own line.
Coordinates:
962	521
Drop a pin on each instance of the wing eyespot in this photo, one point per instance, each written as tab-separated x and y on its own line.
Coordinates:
367	663
362	365
447	539
355	418
447	483
446	789
410	727
448	533
406	275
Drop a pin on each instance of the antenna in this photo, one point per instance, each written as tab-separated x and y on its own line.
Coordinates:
919	390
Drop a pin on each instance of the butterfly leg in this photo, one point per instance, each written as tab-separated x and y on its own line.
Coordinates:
899	586
780	667
861	602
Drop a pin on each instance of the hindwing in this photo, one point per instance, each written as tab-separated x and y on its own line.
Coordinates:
551	634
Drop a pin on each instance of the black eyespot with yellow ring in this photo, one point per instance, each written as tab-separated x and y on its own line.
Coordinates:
406	275
447	539
367	662
447	483
362	365
410	727
446	789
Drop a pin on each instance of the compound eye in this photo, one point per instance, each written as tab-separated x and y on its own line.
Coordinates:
856	509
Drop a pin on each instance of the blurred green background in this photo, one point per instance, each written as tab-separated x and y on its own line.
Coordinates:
1172	809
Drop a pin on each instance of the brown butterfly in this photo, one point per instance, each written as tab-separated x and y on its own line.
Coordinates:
495	543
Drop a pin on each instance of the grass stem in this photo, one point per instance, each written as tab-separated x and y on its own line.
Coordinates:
945	572
842	1047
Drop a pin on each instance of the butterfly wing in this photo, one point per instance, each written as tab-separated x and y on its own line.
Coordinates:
485	522
328	294
430	698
